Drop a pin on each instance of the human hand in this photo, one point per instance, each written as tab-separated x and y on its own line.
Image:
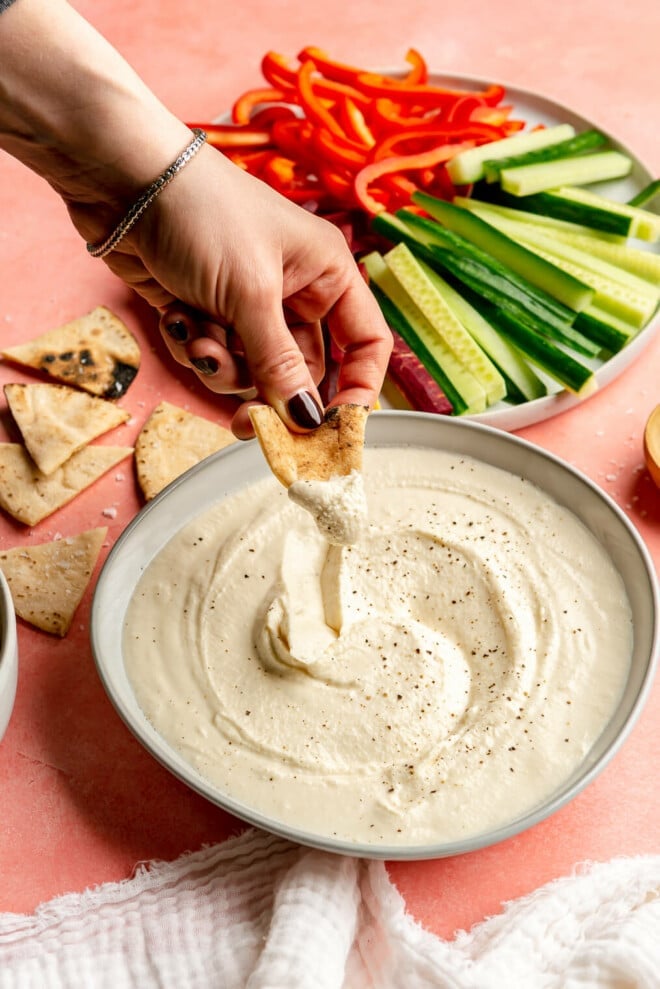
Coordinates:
243	279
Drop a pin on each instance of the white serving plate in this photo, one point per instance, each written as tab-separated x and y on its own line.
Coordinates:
241	464
8	654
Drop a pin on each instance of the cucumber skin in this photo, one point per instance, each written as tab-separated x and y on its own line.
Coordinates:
525	180
585	141
567	289
543	353
467	351
467	167
548	204
531	310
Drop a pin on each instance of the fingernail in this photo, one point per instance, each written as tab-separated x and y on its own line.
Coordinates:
205	365
304	410
177	330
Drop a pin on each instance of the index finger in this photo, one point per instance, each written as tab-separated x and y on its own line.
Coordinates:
358	328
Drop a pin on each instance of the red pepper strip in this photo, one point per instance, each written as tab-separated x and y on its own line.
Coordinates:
385	116
463	108
495	115
251	161
276	70
511	127
242	109
280	172
338	185
479	133
354	124
234	136
402	163
419	72
314	108
423	95
336	71
270	114
336	152
338	91
293	138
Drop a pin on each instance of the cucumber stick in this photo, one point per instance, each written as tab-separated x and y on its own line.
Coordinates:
586	141
518	212
643	224
488	277
643	264
617	291
582	206
519	376
571	291
525	180
468	166
461	387
406	269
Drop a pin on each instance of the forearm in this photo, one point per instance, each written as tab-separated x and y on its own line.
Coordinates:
73	111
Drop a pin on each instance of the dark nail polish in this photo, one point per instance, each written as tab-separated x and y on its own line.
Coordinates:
304	410
205	365
177	330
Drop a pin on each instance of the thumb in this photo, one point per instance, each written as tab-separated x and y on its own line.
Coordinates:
279	370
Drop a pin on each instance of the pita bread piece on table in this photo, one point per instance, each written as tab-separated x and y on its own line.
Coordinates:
322	469
171	441
95	352
31	496
56	421
48	581
334	449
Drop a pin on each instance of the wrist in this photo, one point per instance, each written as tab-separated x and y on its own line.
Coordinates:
76	113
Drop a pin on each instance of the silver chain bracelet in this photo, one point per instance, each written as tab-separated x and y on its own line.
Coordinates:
103	247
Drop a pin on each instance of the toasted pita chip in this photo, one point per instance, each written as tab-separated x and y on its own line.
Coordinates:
30	496
56	421
171	441
95	352
332	450
48	581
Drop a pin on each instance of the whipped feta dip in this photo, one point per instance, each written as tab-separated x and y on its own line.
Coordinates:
435	679
338	506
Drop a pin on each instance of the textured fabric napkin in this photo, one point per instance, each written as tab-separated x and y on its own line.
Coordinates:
260	913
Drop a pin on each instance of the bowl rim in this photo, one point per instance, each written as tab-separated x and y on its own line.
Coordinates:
578	781
8	654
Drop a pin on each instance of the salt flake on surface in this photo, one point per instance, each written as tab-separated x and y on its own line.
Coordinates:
110	513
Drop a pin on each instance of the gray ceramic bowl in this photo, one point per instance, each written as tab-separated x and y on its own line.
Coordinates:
241	464
8	655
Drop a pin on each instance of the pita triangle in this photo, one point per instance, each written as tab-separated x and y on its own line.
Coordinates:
56	421
48	581
171	441
31	496
96	352
332	450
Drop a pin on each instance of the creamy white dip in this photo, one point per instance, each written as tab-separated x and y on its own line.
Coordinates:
438	678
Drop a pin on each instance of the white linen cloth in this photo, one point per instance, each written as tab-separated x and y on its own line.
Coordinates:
258	912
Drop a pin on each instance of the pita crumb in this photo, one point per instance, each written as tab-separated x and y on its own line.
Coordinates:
171	441
30	496
333	449
56	421
96	352
47	581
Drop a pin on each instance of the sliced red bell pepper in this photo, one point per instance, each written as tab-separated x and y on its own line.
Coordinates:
336	152
419	72
354	124
244	106
277	71
234	136
422	95
401	163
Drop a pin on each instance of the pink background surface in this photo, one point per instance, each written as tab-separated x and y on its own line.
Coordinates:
81	802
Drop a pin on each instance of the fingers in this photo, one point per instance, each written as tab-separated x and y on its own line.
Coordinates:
359	329
221	370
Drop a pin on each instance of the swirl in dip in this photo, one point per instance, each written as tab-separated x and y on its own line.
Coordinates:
435	680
